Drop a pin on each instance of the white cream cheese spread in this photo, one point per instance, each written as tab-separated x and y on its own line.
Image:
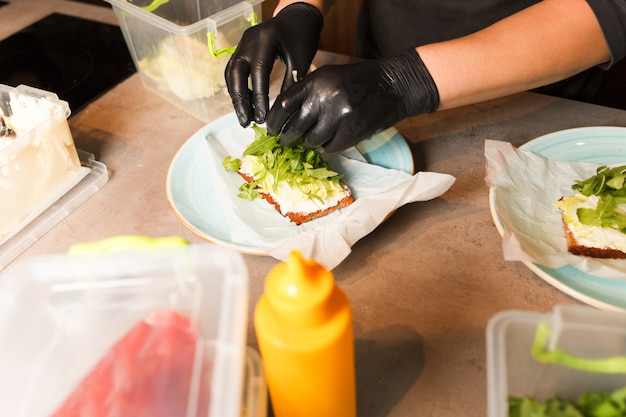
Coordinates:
37	157
28	112
590	236
296	199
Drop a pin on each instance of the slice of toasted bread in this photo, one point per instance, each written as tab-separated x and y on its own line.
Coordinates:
585	240
296	180
576	248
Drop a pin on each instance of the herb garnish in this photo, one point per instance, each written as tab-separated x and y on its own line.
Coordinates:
299	166
589	404
608	185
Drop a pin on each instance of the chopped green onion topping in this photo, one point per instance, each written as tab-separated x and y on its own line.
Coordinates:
301	167
588	404
608	185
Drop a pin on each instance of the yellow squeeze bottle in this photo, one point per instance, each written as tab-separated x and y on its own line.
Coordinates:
303	324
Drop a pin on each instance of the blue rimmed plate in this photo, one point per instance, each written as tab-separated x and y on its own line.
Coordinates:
602	145
194	201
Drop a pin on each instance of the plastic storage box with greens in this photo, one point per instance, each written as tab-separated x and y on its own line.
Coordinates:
181	48
570	363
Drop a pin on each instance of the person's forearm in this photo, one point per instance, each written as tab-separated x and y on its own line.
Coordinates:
545	43
322	5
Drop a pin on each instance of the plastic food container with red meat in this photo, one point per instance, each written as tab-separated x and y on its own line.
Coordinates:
130	333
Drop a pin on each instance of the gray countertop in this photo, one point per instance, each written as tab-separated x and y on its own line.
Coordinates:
423	285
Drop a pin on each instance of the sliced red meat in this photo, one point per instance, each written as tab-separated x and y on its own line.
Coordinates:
147	373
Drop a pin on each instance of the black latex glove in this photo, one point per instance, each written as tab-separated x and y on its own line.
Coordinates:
338	106
293	36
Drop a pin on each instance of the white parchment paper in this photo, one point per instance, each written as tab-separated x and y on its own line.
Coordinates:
378	192
526	185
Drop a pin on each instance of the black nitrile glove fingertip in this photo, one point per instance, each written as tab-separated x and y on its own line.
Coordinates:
334	147
287	139
271	129
260	101
243	118
316	138
259	117
243	110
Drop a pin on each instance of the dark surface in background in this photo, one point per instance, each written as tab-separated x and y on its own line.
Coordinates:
75	58
94	2
59	50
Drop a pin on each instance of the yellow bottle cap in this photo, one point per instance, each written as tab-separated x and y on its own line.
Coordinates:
299	289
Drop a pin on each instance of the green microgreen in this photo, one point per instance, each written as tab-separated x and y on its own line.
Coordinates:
298	165
608	185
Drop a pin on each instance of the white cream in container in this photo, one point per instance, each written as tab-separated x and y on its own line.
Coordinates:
37	159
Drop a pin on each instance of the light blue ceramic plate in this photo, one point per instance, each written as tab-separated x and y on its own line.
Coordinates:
602	145
193	199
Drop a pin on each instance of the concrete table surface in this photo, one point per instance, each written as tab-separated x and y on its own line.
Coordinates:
423	285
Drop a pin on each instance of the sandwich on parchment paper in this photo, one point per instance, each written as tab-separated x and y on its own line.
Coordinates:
594	218
295	180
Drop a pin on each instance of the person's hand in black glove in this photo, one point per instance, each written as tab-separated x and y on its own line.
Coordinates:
338	106
293	36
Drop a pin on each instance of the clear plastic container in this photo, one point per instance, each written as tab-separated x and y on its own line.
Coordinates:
39	162
61	314
181	48
50	212
581	332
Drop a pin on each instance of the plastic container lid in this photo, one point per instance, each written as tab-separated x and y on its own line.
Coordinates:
185	17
